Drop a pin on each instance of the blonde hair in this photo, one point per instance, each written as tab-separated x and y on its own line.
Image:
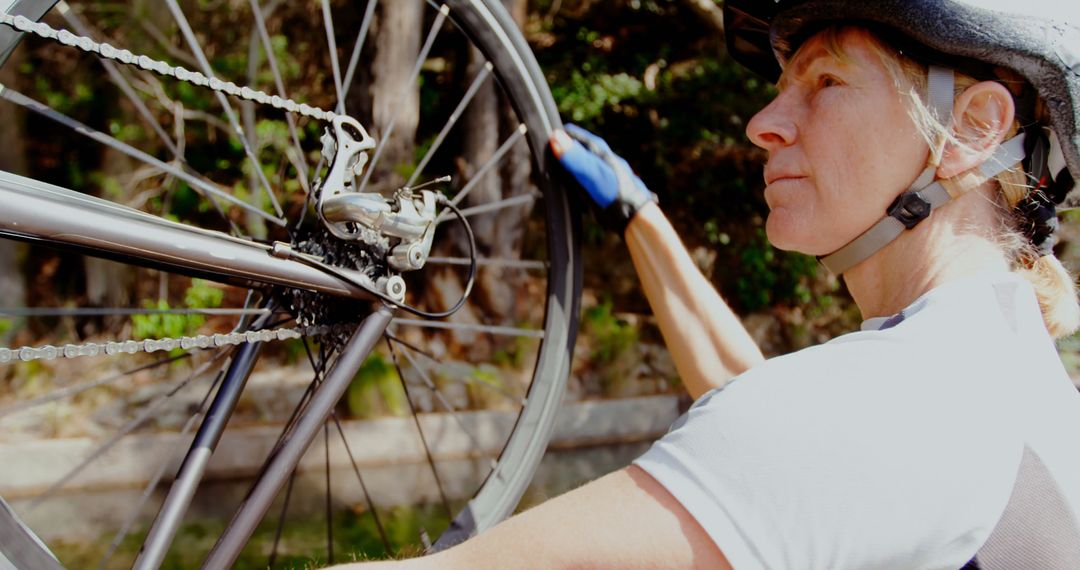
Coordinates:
1054	286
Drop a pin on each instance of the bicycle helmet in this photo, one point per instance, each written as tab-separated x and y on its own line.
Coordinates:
1037	39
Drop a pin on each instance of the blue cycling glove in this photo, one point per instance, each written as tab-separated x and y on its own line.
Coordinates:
606	177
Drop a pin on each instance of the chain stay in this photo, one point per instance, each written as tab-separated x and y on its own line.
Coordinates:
65	37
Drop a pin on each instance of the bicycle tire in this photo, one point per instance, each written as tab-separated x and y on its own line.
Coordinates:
493	32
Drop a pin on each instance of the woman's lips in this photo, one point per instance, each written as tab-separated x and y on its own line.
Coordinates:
773	178
775	191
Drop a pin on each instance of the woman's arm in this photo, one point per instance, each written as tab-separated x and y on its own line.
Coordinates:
707	341
709	344
624	520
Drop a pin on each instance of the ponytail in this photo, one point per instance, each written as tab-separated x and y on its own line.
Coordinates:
1056	293
1034	222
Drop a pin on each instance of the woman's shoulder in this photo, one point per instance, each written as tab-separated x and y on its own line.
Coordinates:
972	328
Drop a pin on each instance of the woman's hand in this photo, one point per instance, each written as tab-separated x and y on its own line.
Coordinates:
606	177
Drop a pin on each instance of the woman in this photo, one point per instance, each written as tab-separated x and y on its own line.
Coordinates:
903	147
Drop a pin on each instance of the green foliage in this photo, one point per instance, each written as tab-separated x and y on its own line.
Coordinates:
486	387
162	325
512	354
768	276
487	376
610	335
201	295
60	98
111	189
302	546
1069	350
584	98
614	350
125	132
404	525
376	390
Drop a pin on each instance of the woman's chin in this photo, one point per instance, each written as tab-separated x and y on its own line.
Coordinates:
783	237
781	234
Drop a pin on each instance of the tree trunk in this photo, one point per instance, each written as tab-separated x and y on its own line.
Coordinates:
254	224
108	283
397	34
491	121
13	159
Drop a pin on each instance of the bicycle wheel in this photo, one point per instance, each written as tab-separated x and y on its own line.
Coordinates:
445	88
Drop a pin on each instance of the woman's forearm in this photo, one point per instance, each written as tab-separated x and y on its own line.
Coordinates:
707	341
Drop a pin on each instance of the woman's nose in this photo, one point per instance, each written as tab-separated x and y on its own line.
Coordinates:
772	127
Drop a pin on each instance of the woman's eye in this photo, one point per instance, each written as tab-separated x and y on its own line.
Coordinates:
828	81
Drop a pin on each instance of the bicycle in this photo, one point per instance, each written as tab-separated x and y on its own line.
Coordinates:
340	245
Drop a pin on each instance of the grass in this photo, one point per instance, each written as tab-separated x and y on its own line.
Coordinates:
302	545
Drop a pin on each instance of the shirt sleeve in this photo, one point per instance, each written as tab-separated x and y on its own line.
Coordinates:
789	468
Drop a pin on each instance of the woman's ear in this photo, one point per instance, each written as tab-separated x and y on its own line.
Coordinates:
982	117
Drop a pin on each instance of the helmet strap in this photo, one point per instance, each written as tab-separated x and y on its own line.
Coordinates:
925	194
1061	180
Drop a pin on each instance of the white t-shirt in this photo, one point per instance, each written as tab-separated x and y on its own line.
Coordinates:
893	447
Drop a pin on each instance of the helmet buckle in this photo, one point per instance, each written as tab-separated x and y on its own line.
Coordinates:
909	209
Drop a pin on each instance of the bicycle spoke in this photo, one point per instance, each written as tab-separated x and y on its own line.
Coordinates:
235	229
503	204
206	188
335	66
329	497
363	487
279	83
281	520
80	388
478	82
230	114
524	264
420	431
442	399
301	405
410	84
120	81
147	413
124	85
318	369
433	359
489	329
361	36
148	491
491	163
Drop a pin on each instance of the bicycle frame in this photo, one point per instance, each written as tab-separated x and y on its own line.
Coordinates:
43	213
39	212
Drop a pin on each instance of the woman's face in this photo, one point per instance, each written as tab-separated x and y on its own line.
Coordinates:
841	146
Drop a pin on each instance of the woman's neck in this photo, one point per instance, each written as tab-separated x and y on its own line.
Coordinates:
937	251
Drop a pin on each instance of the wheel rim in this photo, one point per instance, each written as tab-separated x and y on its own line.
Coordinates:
548	320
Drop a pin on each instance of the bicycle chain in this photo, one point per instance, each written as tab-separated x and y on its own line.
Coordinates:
67	38
126	57
49	352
